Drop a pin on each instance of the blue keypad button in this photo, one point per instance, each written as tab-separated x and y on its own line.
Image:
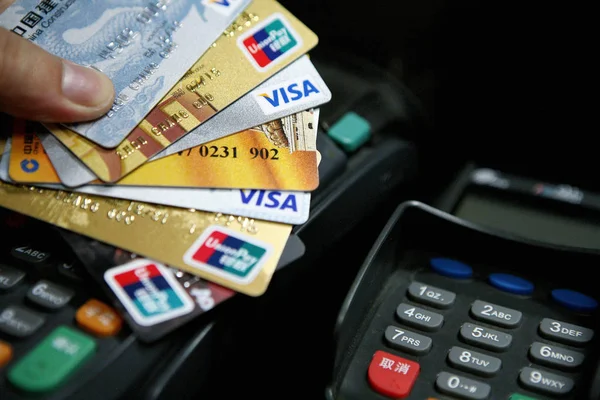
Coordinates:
451	268
574	300
511	284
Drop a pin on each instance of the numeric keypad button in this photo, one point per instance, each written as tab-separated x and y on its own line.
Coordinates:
555	356
564	332
407	341
464	388
431	295
419	318
545	382
495	314
487	338
474	362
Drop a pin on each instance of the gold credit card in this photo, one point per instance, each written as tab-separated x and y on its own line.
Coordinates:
265	39
235	252
259	158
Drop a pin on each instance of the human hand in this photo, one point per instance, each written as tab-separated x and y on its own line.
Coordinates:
39	86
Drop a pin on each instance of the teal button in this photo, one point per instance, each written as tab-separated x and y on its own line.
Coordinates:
351	131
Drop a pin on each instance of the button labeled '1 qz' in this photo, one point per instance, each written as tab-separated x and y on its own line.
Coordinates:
430	295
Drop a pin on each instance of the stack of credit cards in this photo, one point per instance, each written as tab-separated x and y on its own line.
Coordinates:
189	187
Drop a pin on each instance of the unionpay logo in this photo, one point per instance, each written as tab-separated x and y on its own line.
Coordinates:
293	93
228	254
269	42
224	7
148	291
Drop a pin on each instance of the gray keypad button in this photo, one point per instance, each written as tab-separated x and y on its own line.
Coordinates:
430	295
495	314
29	254
555	356
464	388
9	277
545	382
487	338
474	362
49	295
20	322
410	342
419	318
564	332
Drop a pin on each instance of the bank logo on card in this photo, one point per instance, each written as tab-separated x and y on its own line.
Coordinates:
290	94
229	254
224	7
148	291
269	42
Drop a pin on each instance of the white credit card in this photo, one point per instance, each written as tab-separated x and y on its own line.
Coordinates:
296	88
269	205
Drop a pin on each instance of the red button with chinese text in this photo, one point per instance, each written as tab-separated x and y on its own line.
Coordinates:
391	375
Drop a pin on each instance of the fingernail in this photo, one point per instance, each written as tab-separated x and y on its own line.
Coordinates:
86	86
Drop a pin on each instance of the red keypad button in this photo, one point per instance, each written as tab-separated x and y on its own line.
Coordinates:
391	375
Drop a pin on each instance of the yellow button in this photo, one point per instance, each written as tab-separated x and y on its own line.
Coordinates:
98	318
5	353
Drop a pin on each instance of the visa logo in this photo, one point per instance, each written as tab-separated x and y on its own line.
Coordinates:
270	199
224	7
299	94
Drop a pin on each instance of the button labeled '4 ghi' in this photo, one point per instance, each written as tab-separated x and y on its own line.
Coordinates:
496	315
419	318
391	375
430	295
407	341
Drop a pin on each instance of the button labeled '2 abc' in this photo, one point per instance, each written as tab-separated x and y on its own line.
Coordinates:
407	341
494	314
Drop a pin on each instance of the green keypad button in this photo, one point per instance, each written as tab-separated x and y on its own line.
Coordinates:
517	396
351	131
52	360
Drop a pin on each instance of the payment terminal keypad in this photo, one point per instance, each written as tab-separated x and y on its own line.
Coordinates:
54	331
478	337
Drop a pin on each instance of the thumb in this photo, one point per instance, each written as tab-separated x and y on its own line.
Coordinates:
39	86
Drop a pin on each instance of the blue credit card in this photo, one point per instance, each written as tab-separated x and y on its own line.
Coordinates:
143	46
